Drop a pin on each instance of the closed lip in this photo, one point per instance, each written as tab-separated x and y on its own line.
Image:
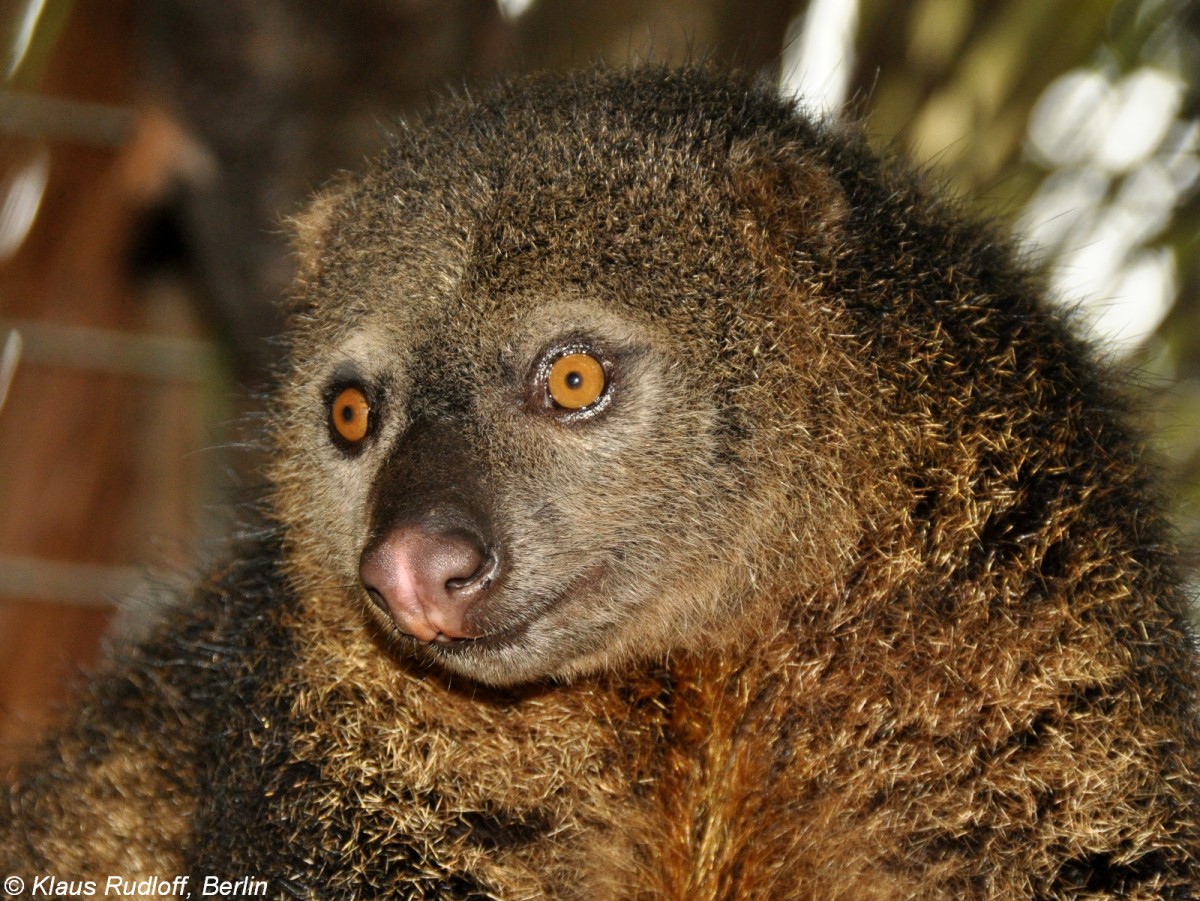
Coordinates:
585	581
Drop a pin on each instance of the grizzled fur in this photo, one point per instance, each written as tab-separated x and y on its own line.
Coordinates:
853	587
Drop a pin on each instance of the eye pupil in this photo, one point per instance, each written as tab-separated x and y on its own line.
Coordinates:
574	379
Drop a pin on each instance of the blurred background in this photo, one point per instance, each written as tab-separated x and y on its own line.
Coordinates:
150	149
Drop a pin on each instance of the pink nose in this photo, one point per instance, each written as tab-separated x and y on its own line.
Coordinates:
428	581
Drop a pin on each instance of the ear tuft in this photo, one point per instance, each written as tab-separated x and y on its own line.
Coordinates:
310	230
791	196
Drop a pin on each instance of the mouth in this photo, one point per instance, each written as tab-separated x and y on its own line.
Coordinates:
510	635
444	646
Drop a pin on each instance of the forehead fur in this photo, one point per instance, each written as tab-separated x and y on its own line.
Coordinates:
593	183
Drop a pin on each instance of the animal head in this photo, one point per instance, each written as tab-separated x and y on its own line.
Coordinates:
565	389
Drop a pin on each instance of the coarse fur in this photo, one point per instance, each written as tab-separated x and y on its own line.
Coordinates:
853	584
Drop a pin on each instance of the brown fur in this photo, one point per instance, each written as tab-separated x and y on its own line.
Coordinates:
854	587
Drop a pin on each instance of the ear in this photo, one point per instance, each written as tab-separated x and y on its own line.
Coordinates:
310	230
794	204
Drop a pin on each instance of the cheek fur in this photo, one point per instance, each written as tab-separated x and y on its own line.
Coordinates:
325	494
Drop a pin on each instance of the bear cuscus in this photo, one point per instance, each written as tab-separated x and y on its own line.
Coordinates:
670	498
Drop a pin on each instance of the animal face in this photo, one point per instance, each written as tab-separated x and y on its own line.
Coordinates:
544	412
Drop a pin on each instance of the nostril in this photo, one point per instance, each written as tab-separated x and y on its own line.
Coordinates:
377	598
451	562
480	579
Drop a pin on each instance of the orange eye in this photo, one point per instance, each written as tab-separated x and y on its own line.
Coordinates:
351	414
576	380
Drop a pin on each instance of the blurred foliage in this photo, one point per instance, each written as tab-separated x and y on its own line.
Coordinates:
958	88
29	30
